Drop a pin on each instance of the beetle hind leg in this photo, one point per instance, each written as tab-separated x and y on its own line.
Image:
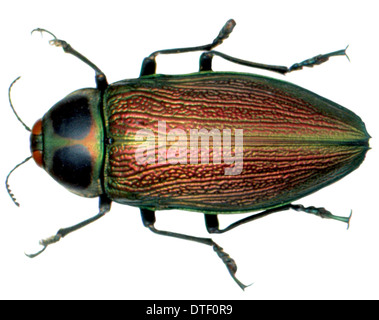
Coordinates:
212	224
148	219
322	213
207	57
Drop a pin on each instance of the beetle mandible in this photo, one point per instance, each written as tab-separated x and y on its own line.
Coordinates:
292	142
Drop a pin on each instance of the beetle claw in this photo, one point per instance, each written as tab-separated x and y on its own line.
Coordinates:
33	255
346	53
40	30
54	42
45	243
348	220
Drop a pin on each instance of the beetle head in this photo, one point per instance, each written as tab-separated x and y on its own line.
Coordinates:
68	142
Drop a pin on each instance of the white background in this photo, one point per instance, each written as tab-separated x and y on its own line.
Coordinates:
289	255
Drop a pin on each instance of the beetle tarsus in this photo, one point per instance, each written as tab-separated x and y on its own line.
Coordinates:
224	33
54	42
45	243
51	240
322	213
229	263
317	60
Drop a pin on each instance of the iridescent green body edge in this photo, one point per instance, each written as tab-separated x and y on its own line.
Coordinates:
295	142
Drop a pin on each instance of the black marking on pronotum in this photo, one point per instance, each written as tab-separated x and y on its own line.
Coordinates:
71	118
72	165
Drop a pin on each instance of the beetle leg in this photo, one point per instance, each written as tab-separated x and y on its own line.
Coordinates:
149	63
212	224
101	80
104	207
322	212
148	219
206	61
317	60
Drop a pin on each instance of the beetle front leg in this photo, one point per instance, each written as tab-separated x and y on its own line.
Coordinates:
148	219
101	80
104	207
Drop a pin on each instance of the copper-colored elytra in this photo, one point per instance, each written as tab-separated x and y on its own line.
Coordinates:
292	140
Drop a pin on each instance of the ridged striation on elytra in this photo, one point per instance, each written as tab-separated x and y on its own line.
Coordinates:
294	141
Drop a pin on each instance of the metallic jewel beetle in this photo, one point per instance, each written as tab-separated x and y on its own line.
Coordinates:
294	142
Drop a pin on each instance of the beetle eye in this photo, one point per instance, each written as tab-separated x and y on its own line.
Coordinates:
38	158
37	128
36	143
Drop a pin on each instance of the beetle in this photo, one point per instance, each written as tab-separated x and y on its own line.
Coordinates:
111	142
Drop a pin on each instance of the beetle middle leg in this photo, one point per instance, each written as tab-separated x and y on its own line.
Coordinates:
148	219
212	224
104	207
149	64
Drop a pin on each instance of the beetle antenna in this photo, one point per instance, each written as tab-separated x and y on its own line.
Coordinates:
14	111
7	179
